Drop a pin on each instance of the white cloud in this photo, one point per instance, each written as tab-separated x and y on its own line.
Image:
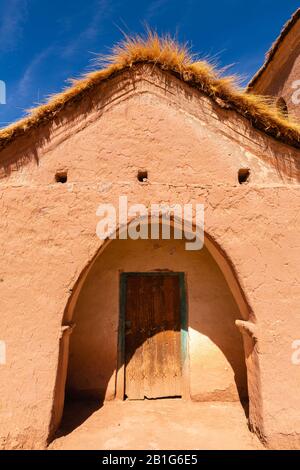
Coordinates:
28	78
101	13
155	8
12	18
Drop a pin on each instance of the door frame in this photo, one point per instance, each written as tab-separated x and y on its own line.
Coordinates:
120	371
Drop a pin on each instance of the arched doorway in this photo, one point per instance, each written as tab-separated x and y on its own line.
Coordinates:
215	368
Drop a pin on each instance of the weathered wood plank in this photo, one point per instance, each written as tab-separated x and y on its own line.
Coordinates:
152	337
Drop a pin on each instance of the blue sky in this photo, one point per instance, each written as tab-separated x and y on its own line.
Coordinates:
42	43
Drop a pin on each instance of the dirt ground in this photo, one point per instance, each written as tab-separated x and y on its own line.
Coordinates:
155	425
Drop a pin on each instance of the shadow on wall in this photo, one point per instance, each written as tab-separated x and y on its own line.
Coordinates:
216	356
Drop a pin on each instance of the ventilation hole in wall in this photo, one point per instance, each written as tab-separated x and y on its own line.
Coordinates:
243	175
282	107
142	176
61	177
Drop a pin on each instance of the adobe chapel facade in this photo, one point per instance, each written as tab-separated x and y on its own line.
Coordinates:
82	316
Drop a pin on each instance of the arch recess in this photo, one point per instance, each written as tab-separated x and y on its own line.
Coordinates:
246	325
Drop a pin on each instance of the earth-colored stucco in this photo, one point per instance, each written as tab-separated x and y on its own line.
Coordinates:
192	150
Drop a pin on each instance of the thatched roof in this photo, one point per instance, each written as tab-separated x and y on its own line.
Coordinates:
274	48
168	55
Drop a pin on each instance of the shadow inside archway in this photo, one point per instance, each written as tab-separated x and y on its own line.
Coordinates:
214	322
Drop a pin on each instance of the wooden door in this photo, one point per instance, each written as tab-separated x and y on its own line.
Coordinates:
152	336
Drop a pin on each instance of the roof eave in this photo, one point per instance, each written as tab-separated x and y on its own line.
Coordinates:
274	48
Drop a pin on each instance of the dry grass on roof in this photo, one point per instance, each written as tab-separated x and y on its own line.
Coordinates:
170	56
